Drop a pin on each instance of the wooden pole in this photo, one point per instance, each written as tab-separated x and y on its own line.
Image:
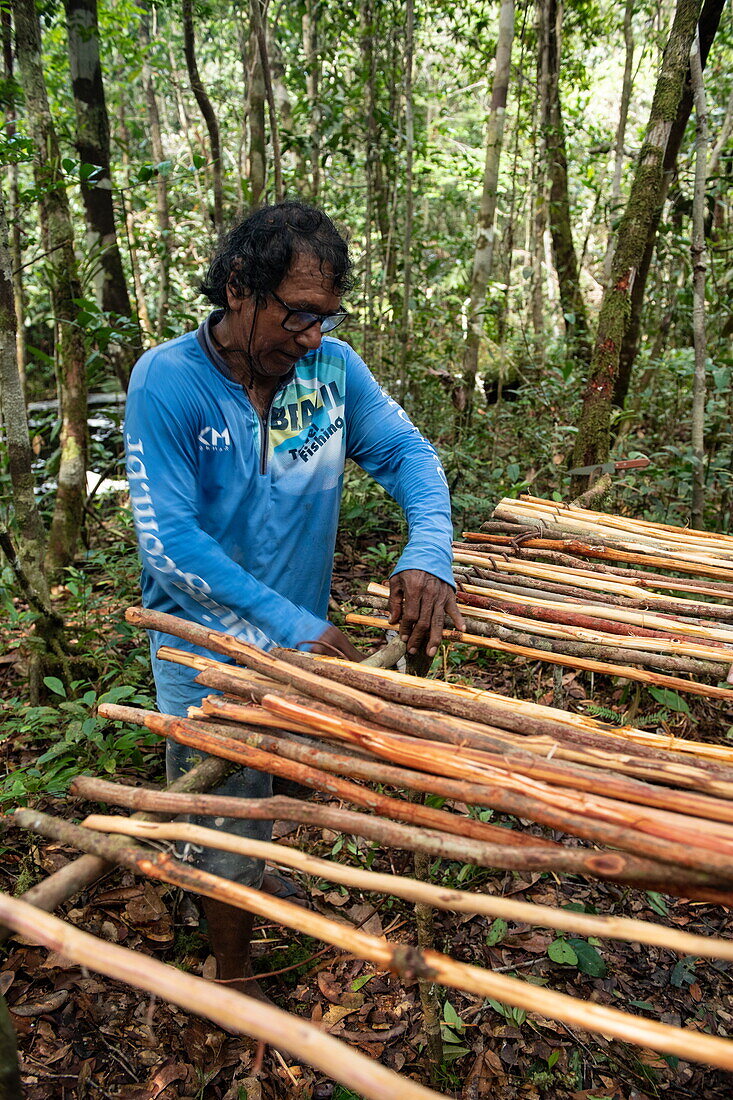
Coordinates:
233	1011
414	890
640	675
76	876
400	959
620	866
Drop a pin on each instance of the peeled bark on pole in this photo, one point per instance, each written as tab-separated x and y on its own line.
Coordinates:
70	880
699	268
401	959
622	867
460	901
484	249
233	1011
553	646
594	429
206	108
563	654
651	783
62	275
539	727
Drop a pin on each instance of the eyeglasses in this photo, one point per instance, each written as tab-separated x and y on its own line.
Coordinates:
300	320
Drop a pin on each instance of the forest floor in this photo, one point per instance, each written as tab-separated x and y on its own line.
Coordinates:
83	1036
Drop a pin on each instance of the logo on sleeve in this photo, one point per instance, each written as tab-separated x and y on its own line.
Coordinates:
211	439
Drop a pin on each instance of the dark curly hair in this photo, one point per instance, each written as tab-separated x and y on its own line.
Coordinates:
257	254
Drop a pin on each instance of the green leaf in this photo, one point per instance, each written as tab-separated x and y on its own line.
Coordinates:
452	1018
561	952
497	931
553	1059
657	902
589	960
357	983
54	684
668	698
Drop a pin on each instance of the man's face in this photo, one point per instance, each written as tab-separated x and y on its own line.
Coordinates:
259	331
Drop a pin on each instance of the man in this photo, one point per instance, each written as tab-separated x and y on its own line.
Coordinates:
236	439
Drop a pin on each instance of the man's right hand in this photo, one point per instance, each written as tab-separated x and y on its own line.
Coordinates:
334	643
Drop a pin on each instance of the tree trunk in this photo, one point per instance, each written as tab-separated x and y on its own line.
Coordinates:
185	122
92	145
58	242
30	536
699	268
254	115
161	188
141	304
206	108
25	551
312	81
484	250
539	188
409	196
16	249
259	15
709	19
561	231
281	96
369	77
594	430
623	114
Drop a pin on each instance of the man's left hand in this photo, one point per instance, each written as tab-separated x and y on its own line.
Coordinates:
419	603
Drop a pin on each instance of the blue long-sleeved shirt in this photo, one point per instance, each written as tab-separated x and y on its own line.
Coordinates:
236	516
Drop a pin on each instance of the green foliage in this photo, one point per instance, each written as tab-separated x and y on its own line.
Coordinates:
577	952
452	1031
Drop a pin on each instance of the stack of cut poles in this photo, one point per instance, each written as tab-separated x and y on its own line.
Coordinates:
588	590
618	809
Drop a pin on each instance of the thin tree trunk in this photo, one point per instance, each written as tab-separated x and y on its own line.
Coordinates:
409	196
141	304
561	225
207	110
185	123
92	145
161	188
594	430
699	268
484	250
539	181
623	114
312	82
16	248
259	15
254	114
25	551
281	96
708	25
369	76
30	534
58	241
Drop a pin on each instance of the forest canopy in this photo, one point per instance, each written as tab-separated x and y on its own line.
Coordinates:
490	164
